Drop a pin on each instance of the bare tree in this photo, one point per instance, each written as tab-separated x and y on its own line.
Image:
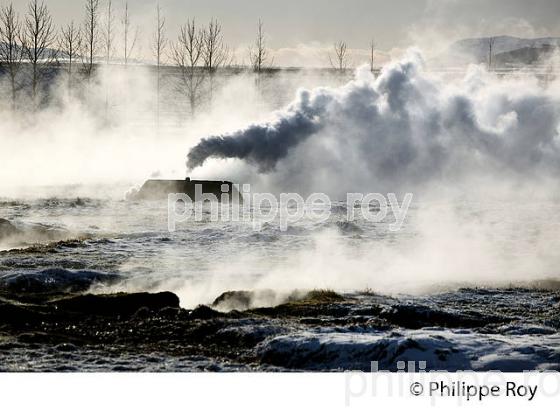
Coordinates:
215	52
259	55
159	41
90	34
108	32
129	42
372	47
187	54
69	44
158	46
339	60
491	41
11	50
189	48
39	37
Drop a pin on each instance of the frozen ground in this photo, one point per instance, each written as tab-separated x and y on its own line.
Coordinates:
65	247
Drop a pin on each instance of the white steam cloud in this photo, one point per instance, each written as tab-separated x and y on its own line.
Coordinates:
406	128
409	129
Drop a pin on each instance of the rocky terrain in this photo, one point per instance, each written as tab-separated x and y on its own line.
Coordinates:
48	322
83	287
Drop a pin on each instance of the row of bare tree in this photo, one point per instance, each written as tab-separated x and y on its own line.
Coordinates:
340	58
29	40
33	41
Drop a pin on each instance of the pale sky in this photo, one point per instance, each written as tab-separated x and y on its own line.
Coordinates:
300	26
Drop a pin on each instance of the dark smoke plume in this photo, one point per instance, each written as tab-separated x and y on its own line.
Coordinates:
263	144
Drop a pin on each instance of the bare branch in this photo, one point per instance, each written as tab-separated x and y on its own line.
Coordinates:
90	34
491	41
258	53
188	50
70	44
11	51
108	32
11	48
128	43
215	52
372	47
187	53
38	37
339	61
159	41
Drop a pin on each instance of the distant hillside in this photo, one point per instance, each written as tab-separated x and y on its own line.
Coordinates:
49	52
478	47
506	50
524	56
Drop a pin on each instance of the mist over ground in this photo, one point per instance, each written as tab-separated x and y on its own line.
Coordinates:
296	131
108	129
479	151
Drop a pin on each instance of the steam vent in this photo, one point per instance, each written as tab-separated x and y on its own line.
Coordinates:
159	189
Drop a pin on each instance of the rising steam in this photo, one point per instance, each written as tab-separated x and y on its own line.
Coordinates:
408	126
